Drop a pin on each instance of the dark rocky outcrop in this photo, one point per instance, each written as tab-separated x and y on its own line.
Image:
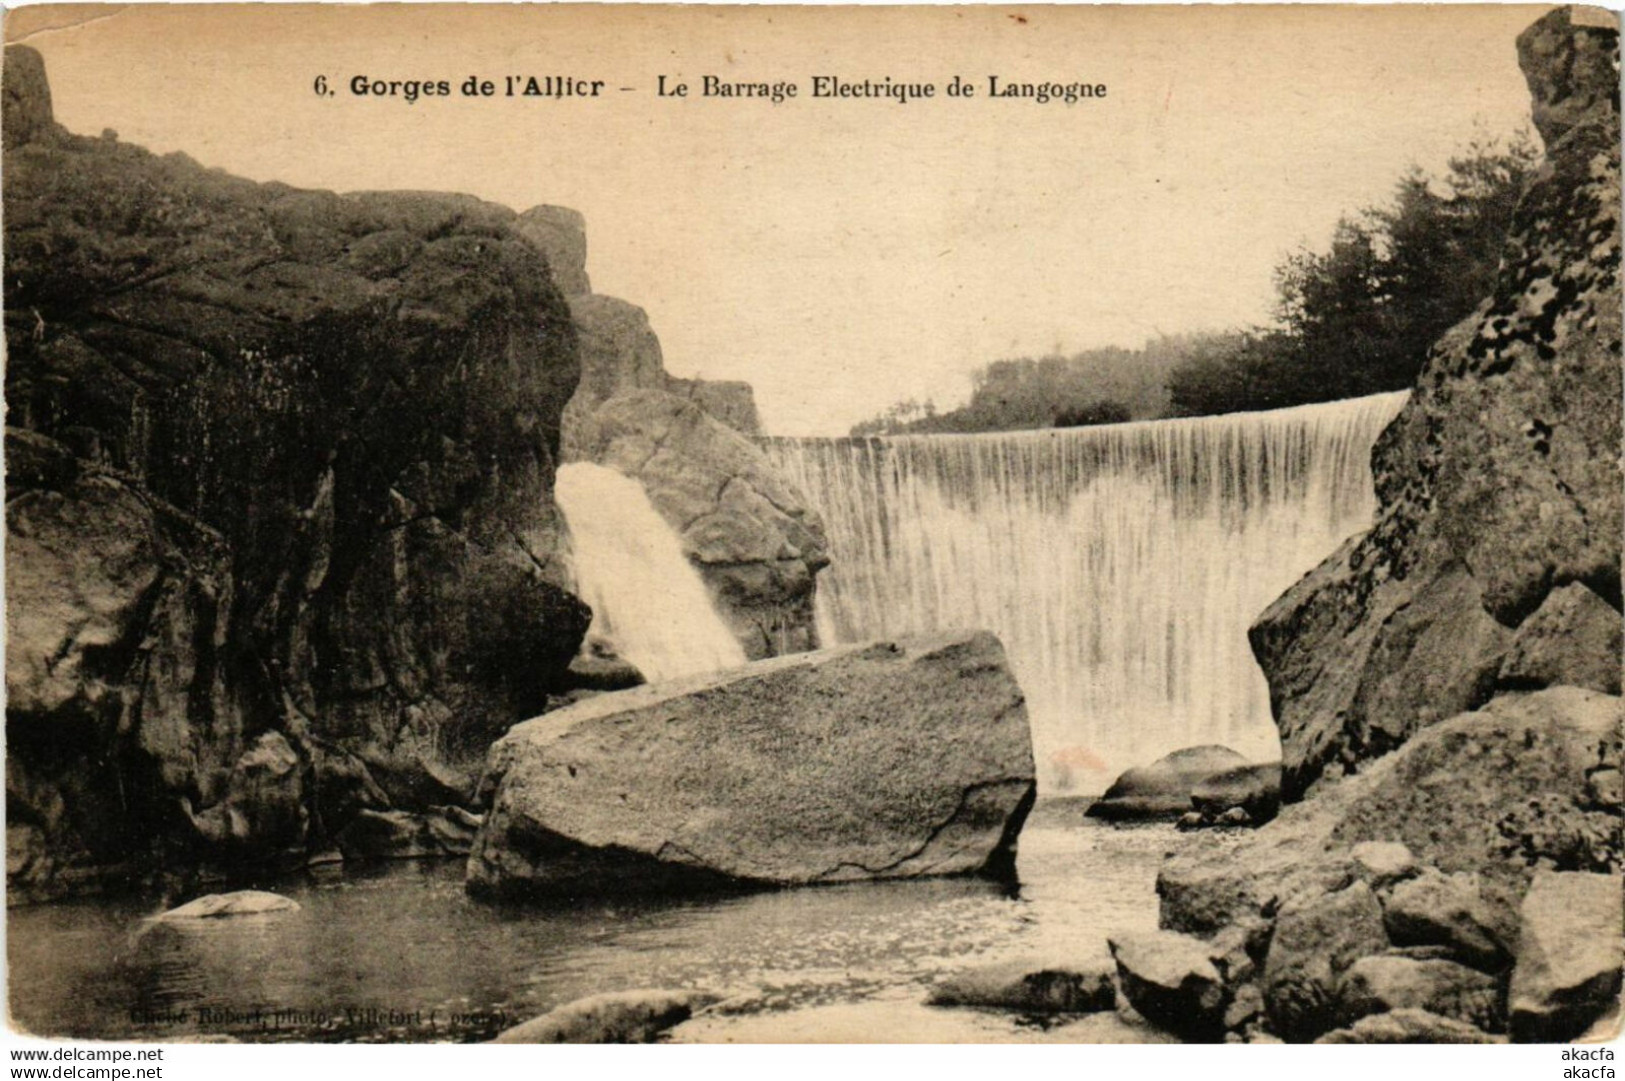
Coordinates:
1163	788
1498	483
755	543
1423	857
861	762
431	834
281	539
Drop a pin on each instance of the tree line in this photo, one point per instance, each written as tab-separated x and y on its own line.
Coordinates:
1352	319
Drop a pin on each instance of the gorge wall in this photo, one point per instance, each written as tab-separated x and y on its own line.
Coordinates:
283	551
753	538
1494	562
282	548
1447	684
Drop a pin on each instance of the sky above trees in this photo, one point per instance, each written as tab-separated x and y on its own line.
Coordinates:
845	255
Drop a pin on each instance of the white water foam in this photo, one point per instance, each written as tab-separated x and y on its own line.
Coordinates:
646	598
1121	565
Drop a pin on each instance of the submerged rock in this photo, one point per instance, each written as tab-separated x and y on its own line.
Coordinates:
1163	789
888	760
639	1016
1570	948
1170	980
1030	987
239	903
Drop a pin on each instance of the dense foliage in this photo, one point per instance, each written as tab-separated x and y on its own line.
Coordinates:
1359	317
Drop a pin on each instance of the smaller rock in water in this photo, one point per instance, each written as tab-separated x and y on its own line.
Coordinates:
1567	973
1170	981
1382	863
240	903
639	1016
1030	987
1383	984
1409	1026
1448	910
1254	790
1163	789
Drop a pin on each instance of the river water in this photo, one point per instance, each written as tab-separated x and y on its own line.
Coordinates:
398	951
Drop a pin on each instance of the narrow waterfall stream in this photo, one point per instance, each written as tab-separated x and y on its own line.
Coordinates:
646	598
1121	565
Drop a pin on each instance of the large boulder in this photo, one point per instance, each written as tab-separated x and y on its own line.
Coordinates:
1570	949
753	538
1163	788
279	499
619	353
888	760
561	235
1498	483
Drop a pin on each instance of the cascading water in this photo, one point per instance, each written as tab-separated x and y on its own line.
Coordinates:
1120	565
646	598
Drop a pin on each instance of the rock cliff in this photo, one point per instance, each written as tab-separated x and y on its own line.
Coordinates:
1499	526
281	539
755	541
1447	685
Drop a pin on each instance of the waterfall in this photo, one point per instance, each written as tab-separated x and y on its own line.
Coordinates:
1121	565
646	598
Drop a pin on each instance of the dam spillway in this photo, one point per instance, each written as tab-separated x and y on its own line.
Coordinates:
1121	565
